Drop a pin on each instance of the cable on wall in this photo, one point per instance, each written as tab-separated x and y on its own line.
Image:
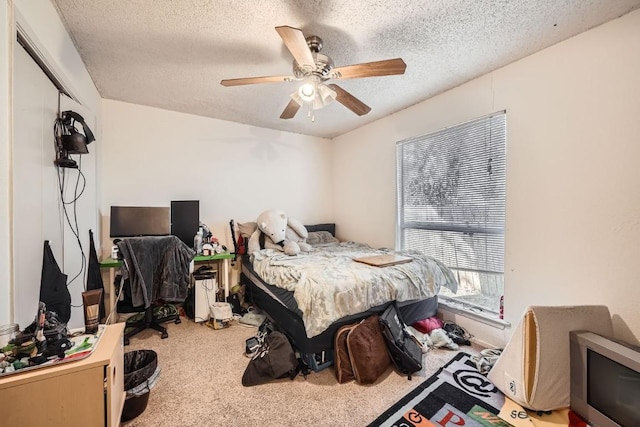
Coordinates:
72	217
64	134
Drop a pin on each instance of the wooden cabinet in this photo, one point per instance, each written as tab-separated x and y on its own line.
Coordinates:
87	392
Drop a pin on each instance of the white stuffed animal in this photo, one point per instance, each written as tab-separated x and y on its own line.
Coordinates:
280	233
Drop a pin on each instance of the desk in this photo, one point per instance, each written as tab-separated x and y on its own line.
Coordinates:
222	259
111	264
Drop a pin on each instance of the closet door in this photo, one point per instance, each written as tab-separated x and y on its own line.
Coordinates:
36	195
49	203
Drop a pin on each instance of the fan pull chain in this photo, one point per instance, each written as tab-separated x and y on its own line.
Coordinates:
310	114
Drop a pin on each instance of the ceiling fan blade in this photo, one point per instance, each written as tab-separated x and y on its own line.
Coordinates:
290	110
350	101
297	45
387	67
255	80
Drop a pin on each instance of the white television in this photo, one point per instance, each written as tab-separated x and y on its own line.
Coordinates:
605	380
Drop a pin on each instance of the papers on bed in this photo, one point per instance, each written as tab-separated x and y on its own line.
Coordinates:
383	260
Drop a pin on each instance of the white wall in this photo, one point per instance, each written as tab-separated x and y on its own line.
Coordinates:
7	36
152	156
39	22
573	196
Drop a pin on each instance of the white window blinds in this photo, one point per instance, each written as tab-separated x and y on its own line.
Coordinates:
451	194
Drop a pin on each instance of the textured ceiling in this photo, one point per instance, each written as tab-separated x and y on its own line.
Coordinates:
173	54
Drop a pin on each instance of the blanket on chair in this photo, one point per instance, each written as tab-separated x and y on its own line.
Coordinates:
157	267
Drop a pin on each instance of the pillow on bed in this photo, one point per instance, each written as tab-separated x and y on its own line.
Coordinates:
246	229
320	238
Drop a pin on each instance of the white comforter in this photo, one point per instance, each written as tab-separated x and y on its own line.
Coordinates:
328	285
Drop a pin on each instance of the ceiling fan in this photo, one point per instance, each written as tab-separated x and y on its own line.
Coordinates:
314	69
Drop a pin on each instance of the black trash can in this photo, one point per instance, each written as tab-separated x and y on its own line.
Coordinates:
140	373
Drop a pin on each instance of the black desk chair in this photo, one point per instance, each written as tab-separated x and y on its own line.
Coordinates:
148	322
155	262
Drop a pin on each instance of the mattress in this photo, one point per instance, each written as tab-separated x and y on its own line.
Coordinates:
281	307
328	284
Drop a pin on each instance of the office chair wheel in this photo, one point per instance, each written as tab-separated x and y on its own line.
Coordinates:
177	321
164	335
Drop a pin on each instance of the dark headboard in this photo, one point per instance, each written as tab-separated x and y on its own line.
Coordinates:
330	227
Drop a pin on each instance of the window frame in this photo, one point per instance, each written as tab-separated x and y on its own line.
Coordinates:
486	315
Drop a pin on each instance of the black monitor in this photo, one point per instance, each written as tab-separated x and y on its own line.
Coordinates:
185	219
132	221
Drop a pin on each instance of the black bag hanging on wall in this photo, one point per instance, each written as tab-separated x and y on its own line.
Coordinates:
53	286
94	277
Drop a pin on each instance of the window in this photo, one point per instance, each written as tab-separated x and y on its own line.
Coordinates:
451	206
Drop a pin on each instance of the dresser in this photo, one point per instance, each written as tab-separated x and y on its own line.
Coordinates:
87	392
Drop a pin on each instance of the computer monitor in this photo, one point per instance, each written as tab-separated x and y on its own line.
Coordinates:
185	219
133	221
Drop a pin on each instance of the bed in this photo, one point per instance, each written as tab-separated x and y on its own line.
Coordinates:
309	296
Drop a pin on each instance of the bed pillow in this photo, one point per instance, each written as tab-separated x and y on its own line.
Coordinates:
320	238
246	229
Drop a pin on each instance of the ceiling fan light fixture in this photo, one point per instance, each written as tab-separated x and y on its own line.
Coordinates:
325	96
308	91
315	95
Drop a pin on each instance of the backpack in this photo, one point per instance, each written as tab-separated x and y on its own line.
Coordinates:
274	359
404	352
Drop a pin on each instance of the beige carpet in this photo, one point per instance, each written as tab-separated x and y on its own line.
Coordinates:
200	385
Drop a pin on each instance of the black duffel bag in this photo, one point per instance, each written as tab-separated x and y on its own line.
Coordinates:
405	353
274	359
